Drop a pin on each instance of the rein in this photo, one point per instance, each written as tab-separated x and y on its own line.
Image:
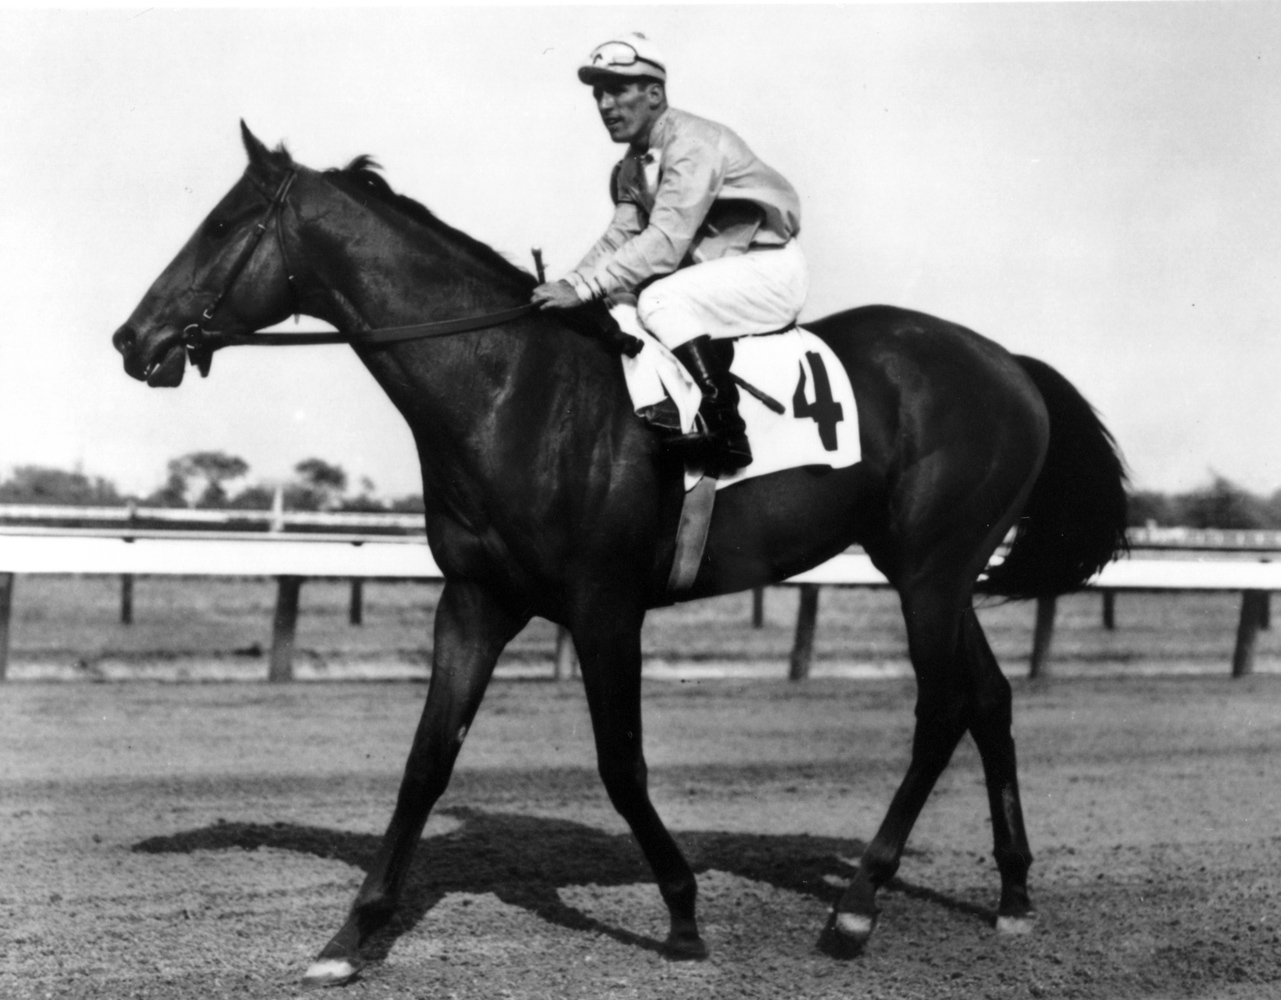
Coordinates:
201	343
198	338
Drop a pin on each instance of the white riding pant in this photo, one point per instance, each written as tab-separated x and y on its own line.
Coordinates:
756	292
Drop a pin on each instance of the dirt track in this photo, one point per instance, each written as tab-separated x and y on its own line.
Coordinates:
204	841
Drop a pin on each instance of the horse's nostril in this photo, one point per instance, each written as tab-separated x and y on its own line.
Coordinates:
124	339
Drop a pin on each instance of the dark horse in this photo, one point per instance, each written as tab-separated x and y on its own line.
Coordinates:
547	496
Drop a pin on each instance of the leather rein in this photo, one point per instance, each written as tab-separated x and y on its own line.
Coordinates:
201	343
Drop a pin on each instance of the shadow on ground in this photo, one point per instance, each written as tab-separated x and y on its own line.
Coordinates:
523	860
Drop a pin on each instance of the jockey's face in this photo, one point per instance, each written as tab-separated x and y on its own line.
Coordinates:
629	108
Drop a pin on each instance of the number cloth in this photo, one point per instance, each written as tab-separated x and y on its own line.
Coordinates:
819	425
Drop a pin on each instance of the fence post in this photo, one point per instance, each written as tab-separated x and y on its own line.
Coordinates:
758	607
1042	637
806	624
356	609
566	655
126	598
284	629
1109	610
1254	611
6	611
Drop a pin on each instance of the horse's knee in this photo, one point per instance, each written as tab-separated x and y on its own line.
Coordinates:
992	717
994	703
626	782
941	719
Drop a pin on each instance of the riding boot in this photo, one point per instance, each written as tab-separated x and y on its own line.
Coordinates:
722	443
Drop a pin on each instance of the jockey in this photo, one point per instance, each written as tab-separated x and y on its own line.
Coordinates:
703	238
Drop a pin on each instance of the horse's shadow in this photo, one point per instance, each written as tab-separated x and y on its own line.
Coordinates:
523	860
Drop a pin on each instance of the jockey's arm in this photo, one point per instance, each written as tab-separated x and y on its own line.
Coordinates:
692	178
567	293
627	223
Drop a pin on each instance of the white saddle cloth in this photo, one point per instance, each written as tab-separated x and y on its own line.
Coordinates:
819	422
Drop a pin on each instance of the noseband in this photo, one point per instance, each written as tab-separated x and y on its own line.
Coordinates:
201	343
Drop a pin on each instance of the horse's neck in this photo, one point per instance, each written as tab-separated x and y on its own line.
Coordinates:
373	270
469	398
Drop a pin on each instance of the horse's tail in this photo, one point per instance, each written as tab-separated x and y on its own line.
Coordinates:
1075	519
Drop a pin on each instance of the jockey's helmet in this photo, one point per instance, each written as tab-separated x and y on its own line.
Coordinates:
630	54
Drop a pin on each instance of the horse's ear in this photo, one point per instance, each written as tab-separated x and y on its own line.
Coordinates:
260	156
258	153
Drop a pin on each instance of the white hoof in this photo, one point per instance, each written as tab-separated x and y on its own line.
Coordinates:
330	972
854	925
1016	925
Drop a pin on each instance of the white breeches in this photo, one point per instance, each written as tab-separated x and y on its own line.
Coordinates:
757	292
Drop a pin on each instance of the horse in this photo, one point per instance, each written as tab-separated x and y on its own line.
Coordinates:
546	495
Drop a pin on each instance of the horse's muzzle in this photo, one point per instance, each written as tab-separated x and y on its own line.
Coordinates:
161	365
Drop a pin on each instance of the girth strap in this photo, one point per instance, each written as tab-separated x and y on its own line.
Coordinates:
691	534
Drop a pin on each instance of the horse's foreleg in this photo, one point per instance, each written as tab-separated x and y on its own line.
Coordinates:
941	721
471	629
990	727
610	658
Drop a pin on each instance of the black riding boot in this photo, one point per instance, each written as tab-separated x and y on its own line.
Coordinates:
723	447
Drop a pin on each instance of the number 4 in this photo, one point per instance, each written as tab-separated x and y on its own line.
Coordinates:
824	411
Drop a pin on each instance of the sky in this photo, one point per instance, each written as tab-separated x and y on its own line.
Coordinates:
1092	184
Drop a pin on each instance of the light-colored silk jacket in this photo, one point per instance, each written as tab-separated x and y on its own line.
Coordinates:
707	196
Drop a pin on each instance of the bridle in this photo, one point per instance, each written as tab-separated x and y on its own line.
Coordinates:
201	343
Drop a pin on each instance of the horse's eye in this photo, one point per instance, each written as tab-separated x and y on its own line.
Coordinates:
216	228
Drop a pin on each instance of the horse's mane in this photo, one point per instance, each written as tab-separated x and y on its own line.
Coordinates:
592	320
363	172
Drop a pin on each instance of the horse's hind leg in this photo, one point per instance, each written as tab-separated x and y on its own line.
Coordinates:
471	629
990	726
933	615
609	651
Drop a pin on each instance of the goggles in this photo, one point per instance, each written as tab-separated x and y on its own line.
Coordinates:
614	54
618	57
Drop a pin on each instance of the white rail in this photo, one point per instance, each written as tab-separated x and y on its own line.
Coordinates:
1240	539
292	557
216	554
273	519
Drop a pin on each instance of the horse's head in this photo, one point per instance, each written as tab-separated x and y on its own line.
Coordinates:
232	275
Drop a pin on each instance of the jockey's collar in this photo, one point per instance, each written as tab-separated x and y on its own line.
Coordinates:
653	137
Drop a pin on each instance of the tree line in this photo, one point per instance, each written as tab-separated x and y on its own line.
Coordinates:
209	480
216	480
1221	504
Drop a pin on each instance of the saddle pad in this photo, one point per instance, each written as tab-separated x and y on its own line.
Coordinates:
819	425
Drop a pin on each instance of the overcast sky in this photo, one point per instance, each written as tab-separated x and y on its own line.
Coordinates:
1093	184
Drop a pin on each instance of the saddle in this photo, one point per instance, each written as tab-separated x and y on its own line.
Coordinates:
796	403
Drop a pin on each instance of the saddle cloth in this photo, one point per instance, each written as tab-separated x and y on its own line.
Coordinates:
819	422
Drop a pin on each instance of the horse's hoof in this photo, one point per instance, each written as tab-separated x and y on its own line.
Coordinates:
330	972
685	948
846	934
1022	924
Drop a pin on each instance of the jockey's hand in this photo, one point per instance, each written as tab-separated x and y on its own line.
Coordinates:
556	295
